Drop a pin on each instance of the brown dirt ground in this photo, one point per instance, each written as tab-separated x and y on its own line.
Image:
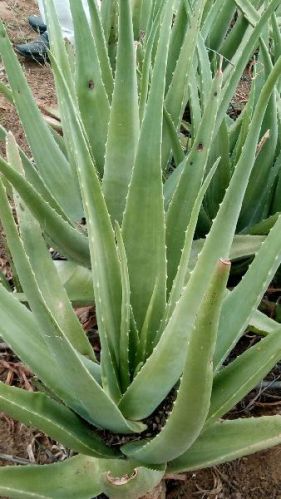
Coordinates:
254	477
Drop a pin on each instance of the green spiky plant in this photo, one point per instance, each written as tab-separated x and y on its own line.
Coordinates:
166	321
261	204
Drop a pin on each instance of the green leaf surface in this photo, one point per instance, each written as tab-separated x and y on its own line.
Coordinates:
147	261
51	163
123	131
190	409
91	91
236	380
228	440
54	419
76	477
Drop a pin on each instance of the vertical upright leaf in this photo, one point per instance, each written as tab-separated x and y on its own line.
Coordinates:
143	225
123	132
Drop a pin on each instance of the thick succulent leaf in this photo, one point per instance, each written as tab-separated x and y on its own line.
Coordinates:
159	366
184	265
42	412
235	381
91	92
262	324
21	332
228	440
125	313
219	27
147	224
255	196
50	161
100	41
243	54
146	65
79	389
180	27
191	407
220	148
32	175
245	297
183	199
124	479
242	247
205	73
80	476
42	264
76	477
123	131
104	259
70	242
176	96
77	282
249	11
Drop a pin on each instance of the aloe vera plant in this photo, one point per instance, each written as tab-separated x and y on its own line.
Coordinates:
166	321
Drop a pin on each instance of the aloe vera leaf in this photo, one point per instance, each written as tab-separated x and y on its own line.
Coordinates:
101	44
20	331
77	282
105	265
190	410
55	481
222	177
53	418
217	243
124	479
145	15
210	16
220	238
176	96
50	161
276	38
146	190
264	226
147	65
250	289
242	246
177	36
81	391
177	150
124	367
250	212
36	180
205	73
220	24
42	264
194	102
262	324
183	269
58	45
107	9
190	180
249	11
234	39
145	345
234	71
228	440
171	184
69	241
236	380
123	131
91	92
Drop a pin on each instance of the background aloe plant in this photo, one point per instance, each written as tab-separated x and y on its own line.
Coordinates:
165	318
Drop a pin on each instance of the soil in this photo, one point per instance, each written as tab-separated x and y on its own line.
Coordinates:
257	476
